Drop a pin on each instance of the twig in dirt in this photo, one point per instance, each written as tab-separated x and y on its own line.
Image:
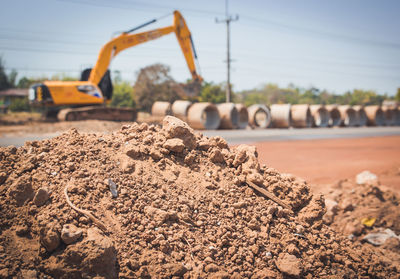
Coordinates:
190	248
87	213
268	195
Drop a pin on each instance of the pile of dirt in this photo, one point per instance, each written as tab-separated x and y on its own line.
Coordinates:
149	202
362	210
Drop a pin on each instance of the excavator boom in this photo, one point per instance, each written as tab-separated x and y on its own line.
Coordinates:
126	40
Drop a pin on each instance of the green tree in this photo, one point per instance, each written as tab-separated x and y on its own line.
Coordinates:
122	95
19	104
213	93
398	95
5	82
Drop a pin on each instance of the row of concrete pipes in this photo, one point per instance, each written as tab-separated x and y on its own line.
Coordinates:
208	116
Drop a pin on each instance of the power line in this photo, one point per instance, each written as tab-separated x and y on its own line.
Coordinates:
309	31
255	56
245	54
88	44
327	35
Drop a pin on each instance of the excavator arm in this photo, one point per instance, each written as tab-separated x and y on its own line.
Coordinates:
126	40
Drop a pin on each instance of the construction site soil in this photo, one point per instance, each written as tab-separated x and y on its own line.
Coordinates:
166	202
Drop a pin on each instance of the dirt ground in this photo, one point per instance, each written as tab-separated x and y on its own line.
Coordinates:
323	162
166	202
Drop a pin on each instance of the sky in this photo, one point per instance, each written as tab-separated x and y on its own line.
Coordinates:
336	45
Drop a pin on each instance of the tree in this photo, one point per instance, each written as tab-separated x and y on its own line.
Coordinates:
4	79
19	104
398	95
154	83
213	93
122	95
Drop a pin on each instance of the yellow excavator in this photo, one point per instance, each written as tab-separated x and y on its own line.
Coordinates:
87	98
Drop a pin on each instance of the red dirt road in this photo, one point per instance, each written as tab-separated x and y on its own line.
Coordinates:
327	161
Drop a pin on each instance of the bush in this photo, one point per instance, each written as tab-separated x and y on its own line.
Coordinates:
19	104
123	96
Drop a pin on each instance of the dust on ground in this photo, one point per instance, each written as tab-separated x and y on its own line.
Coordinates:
161	203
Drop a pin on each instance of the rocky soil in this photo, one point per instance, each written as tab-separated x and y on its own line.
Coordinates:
150	202
362	210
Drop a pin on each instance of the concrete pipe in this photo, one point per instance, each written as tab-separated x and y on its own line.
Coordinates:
388	112
334	115
243	116
348	115
180	109
360	115
229	116
375	116
259	116
320	115
281	115
301	116
161	109
203	116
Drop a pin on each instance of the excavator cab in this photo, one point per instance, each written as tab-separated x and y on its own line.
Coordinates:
105	83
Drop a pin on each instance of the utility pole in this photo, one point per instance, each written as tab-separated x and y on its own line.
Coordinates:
228	20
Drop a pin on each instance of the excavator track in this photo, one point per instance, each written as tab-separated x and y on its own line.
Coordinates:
97	113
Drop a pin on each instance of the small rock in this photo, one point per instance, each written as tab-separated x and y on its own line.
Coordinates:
366	177
176	128
289	264
347	205
28	274
219	142
204	144
256	178
96	253
113	188
239	205
216	156
247	156
174	145
50	240
210	186
22	230
160	216
132	151
211	268
70	233
3	177
21	191
70	166
174	269
240	157
156	154
126	164
42	195
331	206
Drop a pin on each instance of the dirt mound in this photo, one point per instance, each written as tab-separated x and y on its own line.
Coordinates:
149	202
360	211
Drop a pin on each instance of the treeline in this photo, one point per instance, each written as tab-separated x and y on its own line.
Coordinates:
155	83
273	94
